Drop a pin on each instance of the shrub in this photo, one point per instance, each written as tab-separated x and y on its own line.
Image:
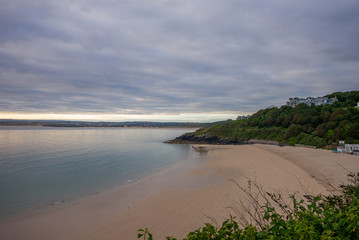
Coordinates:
319	217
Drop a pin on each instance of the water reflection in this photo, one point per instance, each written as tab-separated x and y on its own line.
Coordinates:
202	150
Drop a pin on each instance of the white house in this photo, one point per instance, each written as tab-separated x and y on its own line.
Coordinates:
242	117
310	100
352	148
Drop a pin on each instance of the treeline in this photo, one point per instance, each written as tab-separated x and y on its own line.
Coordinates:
310	125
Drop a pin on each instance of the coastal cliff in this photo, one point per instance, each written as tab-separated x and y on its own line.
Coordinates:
192	138
314	125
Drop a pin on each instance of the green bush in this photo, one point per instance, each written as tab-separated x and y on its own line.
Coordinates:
320	217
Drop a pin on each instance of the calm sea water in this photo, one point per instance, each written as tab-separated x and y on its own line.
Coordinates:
41	166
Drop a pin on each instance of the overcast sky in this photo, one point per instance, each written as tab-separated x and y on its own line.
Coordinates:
190	59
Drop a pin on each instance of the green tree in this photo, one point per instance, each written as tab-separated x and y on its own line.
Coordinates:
292	131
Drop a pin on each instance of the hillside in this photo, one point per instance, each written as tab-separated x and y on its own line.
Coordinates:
310	125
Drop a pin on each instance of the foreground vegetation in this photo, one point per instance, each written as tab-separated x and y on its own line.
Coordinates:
310	125
317	217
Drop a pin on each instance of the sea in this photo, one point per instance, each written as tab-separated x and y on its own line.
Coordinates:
40	166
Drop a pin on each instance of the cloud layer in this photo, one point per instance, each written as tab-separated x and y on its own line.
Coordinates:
172	57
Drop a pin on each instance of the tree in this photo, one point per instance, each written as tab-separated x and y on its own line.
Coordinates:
292	131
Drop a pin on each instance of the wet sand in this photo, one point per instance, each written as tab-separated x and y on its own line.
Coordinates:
182	197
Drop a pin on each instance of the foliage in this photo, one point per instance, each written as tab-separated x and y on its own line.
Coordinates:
348	191
310	125
318	218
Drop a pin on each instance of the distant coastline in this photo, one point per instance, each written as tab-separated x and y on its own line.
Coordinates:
83	124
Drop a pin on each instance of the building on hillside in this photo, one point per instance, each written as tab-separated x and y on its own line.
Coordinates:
357	105
292	102
242	117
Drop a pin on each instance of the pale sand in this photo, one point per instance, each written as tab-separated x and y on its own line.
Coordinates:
181	198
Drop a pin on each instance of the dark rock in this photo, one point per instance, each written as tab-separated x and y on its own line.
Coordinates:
191	138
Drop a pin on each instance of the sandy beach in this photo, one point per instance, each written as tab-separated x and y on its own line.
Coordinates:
182	197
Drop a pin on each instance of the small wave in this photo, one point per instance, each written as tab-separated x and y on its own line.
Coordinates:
132	180
59	202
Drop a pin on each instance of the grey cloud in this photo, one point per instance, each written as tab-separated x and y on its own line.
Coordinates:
173	56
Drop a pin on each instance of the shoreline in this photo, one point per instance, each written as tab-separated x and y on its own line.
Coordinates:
110	203
183	196
74	200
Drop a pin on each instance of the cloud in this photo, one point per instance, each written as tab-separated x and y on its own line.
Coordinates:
173	57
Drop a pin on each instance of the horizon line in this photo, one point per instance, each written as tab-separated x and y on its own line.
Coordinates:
105	117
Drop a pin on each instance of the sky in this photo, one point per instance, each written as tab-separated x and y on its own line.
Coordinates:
171	60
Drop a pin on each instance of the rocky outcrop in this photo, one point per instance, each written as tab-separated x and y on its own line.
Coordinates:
191	138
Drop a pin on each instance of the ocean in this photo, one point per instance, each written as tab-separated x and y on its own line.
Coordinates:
41	166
